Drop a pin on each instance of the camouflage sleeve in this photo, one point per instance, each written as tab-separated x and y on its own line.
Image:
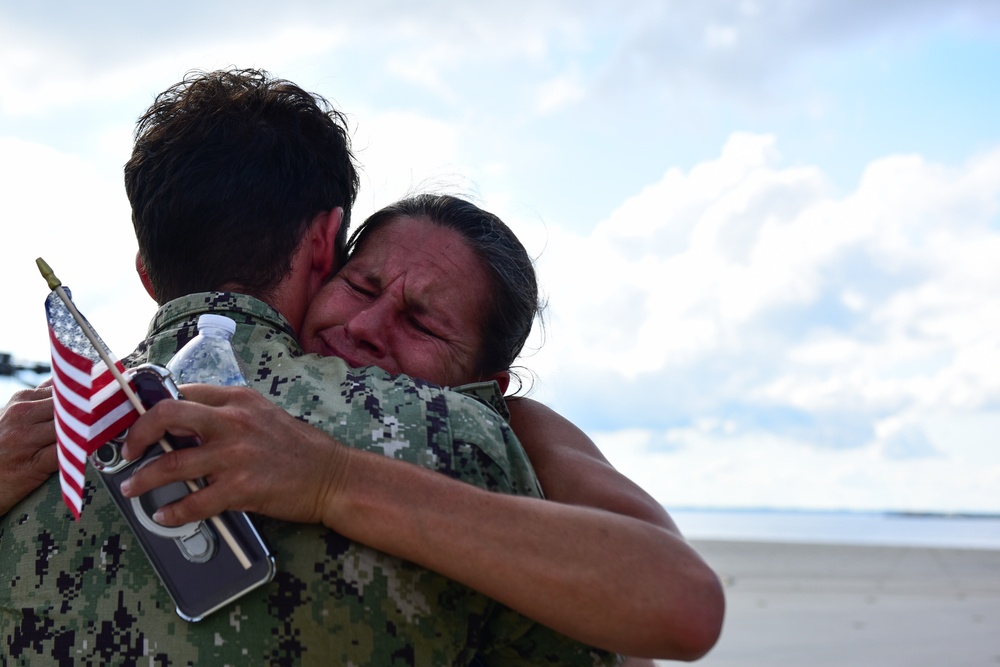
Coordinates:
485	437
435	428
515	641
488	393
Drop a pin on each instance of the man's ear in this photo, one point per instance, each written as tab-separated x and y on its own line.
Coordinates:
140	268
323	245
502	378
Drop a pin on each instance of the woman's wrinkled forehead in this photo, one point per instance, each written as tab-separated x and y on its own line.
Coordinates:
381	228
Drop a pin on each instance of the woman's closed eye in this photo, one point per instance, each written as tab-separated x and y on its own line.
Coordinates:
360	289
421	327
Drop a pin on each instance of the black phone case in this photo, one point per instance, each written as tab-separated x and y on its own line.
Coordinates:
217	577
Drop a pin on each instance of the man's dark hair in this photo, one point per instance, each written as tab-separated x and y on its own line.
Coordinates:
513	288
228	171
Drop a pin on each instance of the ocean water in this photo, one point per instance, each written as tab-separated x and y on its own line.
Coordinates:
871	528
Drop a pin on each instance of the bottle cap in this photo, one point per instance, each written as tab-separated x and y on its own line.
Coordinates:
220	321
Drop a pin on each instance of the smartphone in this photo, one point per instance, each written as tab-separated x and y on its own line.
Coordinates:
196	563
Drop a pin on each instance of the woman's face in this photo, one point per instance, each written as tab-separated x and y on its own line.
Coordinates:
410	300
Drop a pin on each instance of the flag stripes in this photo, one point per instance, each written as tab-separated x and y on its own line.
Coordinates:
90	406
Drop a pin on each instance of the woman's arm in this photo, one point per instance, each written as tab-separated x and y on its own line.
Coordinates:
573	470
625	582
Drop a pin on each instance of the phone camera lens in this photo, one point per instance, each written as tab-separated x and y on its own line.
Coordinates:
107	454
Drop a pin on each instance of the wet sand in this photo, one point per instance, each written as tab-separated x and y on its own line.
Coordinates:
835	605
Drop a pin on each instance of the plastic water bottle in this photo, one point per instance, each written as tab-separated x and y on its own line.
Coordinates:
209	357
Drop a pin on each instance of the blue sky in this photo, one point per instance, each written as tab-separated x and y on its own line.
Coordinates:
768	230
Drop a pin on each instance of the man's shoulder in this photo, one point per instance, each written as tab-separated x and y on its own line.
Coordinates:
295	381
477	422
400	417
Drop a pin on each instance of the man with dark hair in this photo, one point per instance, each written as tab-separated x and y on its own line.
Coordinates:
234	161
221	161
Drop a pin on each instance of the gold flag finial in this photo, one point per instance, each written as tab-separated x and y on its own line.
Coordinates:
46	270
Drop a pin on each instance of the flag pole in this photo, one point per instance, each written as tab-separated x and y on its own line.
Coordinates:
56	285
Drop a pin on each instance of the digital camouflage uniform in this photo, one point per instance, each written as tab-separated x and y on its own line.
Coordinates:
82	593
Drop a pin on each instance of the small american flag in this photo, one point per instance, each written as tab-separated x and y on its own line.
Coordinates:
90	406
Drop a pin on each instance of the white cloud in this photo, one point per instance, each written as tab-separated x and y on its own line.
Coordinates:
707	468
721	37
748	293
737	48
559	92
73	214
401	153
50	77
738	239
427	68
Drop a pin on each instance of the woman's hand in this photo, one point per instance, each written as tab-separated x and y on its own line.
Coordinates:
254	456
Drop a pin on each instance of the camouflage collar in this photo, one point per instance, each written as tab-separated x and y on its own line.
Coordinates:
487	392
186	308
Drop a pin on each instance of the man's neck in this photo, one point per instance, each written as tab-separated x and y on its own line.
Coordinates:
286	298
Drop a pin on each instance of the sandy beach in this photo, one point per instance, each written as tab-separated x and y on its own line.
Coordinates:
823	605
